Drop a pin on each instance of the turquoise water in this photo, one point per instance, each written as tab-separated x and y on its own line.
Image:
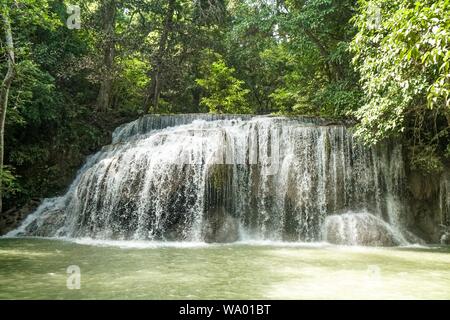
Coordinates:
37	269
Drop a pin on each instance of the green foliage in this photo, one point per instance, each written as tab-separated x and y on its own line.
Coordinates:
337	100
223	56
251	47
10	185
34	95
50	127
320	76
225	93
130	83
424	159
38	13
404	67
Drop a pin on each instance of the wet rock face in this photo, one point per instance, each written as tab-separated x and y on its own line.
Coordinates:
11	219
220	227
429	204
46	227
362	229
445	239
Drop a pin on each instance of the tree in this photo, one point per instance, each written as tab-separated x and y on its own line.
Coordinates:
154	91
225	93
321	80
108	9
293	55
6	85
172	35
404	63
15	44
249	38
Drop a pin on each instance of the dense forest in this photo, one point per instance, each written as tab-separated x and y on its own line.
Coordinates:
72	71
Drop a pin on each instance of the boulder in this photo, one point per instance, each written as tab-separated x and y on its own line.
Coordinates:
363	229
12	218
46	224
445	239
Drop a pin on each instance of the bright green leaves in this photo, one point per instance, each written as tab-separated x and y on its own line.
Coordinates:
31	13
225	93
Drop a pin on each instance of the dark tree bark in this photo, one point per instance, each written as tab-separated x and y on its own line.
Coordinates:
109	53
154	91
4	91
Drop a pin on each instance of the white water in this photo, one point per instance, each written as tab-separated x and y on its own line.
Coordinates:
361	228
197	177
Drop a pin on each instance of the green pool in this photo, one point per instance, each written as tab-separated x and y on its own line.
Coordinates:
37	269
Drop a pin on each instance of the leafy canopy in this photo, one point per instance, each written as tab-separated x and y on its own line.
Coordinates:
225	93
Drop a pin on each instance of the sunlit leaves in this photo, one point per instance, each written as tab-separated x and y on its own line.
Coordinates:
224	93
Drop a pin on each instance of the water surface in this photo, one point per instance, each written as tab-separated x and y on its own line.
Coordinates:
37	269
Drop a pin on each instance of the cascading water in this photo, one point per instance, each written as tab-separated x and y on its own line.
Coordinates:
227	178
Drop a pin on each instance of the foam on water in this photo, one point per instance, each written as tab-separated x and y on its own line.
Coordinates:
139	244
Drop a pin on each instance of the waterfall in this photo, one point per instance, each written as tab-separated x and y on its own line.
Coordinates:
226	178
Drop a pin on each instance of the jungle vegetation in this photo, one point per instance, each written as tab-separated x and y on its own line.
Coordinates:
69	79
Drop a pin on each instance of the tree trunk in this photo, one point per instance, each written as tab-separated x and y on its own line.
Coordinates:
154	91
109	52
4	91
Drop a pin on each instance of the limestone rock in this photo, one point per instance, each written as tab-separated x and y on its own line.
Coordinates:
359	229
